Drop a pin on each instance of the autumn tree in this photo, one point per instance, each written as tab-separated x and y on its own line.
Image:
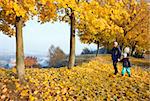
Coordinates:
56	56
98	30
138	37
13	15
132	18
30	61
69	12
47	11
6	28
121	19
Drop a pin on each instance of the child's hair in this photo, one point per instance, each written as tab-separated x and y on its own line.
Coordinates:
127	50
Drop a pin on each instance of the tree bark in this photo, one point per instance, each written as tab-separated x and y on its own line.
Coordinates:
133	49
97	48
122	46
19	49
72	41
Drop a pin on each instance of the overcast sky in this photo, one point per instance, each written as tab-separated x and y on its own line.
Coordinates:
39	37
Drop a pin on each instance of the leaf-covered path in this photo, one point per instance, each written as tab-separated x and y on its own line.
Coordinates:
91	81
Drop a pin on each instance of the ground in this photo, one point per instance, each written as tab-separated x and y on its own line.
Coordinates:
90	81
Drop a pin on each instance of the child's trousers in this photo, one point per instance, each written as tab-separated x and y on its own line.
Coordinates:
126	69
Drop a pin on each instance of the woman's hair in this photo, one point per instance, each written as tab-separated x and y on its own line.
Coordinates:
116	43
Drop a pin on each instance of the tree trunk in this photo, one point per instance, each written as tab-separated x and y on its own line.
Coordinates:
121	46
97	48
133	49
19	49
72	41
107	50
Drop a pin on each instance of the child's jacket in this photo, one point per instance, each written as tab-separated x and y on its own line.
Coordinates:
126	62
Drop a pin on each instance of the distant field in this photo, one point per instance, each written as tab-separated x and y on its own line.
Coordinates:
106	58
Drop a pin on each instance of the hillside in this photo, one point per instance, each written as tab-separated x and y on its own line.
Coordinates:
92	81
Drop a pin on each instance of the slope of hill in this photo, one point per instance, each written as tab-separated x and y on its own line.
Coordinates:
93	81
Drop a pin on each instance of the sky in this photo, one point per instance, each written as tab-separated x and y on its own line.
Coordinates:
39	37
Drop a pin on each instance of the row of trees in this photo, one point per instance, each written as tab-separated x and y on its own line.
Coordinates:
125	21
96	21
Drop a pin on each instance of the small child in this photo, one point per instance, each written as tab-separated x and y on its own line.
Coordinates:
126	65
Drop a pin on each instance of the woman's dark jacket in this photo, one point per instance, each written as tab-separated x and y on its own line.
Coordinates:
115	53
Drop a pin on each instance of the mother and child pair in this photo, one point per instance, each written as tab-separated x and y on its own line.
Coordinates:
116	55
